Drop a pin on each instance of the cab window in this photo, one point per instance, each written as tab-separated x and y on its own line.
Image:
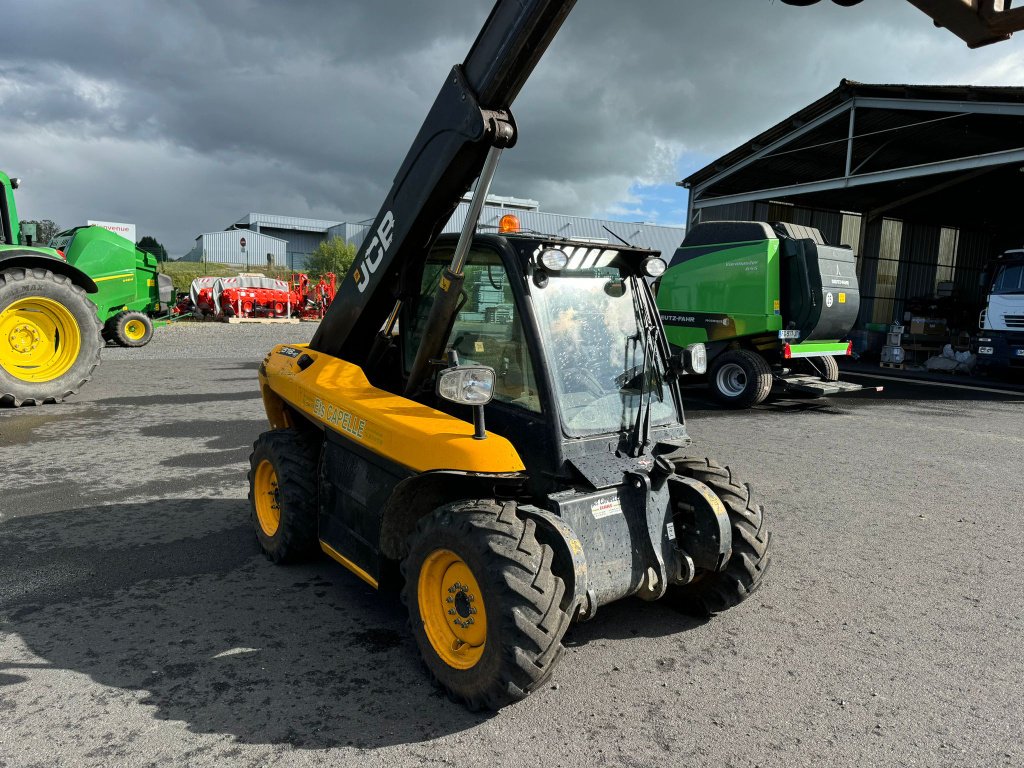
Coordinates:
487	330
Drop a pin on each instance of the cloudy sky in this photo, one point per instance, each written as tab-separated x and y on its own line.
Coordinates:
181	116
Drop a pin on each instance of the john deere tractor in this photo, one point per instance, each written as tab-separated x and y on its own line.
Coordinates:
49	331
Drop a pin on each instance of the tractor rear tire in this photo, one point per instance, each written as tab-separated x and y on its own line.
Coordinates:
825	367
495	638
49	337
130	329
740	378
283	495
713	592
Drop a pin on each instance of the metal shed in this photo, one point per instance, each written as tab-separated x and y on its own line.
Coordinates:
301	234
921	180
240	247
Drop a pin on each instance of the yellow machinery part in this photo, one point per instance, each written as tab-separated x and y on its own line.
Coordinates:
266	499
39	339
452	608
135	329
337	395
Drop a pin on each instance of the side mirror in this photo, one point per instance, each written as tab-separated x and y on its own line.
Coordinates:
692	359
697	358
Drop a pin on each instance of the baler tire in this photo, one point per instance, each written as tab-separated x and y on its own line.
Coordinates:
131	329
67	302
711	593
756	383
283	483
520	602
825	367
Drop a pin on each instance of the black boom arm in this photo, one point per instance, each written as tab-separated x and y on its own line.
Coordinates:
469	116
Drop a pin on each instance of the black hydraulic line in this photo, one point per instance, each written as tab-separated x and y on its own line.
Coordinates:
469	116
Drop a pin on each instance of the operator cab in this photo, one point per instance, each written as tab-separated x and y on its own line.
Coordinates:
580	367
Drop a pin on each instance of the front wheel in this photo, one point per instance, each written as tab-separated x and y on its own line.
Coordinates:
713	592
49	337
484	605
130	329
740	378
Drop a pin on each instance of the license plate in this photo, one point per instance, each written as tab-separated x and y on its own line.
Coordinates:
985	350
789	334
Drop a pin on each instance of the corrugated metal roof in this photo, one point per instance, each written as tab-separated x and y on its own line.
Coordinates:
959	96
653	236
285	222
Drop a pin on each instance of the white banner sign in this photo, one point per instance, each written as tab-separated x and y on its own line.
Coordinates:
126	231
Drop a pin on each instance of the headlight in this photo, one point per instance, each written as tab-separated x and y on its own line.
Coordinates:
654	266
468	385
554	259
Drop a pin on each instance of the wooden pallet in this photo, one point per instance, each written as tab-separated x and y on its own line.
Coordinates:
264	320
894	366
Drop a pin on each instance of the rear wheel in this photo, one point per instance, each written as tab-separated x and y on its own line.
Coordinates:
130	329
484	605
740	378
713	592
282	495
49	337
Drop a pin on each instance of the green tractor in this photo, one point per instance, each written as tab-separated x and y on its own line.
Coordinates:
772	303
49	331
131	290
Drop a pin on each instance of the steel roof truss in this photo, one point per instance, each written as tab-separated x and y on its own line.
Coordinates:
876	177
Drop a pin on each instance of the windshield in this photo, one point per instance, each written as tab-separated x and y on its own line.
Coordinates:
596	350
1009	279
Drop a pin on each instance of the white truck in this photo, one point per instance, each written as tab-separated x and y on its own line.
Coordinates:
1000	342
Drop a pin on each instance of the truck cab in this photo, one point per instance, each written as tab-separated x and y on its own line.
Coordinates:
1000	343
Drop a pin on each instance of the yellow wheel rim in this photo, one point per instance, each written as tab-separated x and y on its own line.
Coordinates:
135	329
452	608
265	496
39	339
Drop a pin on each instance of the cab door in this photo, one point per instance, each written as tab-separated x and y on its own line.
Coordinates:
490	329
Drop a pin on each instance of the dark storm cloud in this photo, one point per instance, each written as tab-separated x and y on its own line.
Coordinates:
184	116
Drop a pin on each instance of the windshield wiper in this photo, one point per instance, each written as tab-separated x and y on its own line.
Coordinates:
640	434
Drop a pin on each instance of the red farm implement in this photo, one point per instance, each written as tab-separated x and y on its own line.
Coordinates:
257	296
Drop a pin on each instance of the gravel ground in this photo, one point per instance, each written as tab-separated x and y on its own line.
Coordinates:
140	626
214	341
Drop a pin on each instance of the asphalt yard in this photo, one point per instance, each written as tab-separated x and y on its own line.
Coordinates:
139	624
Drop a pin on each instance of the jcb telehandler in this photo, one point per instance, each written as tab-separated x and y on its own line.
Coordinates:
49	332
493	423
496	418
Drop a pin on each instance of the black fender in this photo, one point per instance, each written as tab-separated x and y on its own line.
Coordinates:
32	259
570	562
421	494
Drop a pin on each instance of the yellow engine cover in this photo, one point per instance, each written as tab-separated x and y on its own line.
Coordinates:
337	395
